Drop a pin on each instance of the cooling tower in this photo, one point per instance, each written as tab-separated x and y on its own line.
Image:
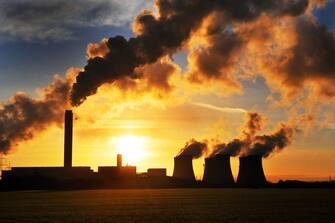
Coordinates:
68	139
218	172
251	172
183	168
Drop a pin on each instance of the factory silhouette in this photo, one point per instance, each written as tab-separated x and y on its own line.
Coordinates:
217	173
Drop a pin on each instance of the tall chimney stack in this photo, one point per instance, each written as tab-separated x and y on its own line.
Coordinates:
68	138
119	160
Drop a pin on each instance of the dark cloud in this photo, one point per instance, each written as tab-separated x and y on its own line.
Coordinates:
313	57
150	79
165	34
247	10
217	61
34	20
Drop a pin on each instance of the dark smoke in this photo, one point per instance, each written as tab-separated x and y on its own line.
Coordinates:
164	35
251	144
266	144
159	36
194	149
254	123
22	117
313	57
233	148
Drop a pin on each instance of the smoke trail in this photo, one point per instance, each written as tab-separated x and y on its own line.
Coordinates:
254	123
162	35
193	148
251	144
266	144
311	57
22	116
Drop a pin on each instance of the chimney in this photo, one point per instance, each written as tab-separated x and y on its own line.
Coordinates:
251	172
183	168
218	171
68	139
119	160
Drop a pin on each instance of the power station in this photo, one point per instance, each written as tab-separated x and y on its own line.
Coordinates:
183	168
217	172
68	132
251	172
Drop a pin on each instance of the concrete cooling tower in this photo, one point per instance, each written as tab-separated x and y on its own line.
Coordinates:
218	172
183	168
251	172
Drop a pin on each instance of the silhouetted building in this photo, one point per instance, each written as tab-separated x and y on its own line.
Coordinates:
47	173
117	172
47	176
251	172
114	172
68	129
183	168
218	171
156	172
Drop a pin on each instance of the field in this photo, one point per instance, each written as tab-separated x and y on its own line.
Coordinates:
170	205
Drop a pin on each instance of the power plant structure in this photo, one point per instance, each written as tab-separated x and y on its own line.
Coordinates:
218	172
251	172
68	132
183	168
69	176
118	172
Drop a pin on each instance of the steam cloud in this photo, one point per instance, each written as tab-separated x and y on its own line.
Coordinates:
248	144
251	144
194	149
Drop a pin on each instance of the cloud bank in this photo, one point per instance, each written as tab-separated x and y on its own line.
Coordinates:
56	20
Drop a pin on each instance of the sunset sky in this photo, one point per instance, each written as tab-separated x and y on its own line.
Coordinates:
150	117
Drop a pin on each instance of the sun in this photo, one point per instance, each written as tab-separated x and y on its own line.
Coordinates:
132	148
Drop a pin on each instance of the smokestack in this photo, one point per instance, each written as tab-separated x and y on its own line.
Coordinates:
68	139
218	172
251	172
183	168
119	160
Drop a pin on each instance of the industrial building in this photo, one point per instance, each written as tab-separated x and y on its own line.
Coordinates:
118	171
217	172
156	172
38	176
67	175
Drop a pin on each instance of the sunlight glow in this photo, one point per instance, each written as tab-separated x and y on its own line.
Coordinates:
132	148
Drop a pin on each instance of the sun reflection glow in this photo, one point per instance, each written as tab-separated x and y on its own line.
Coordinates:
132	148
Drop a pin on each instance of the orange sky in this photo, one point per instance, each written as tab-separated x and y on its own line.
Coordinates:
161	132
224	68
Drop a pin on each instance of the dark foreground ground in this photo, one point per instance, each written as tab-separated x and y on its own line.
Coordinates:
170	205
